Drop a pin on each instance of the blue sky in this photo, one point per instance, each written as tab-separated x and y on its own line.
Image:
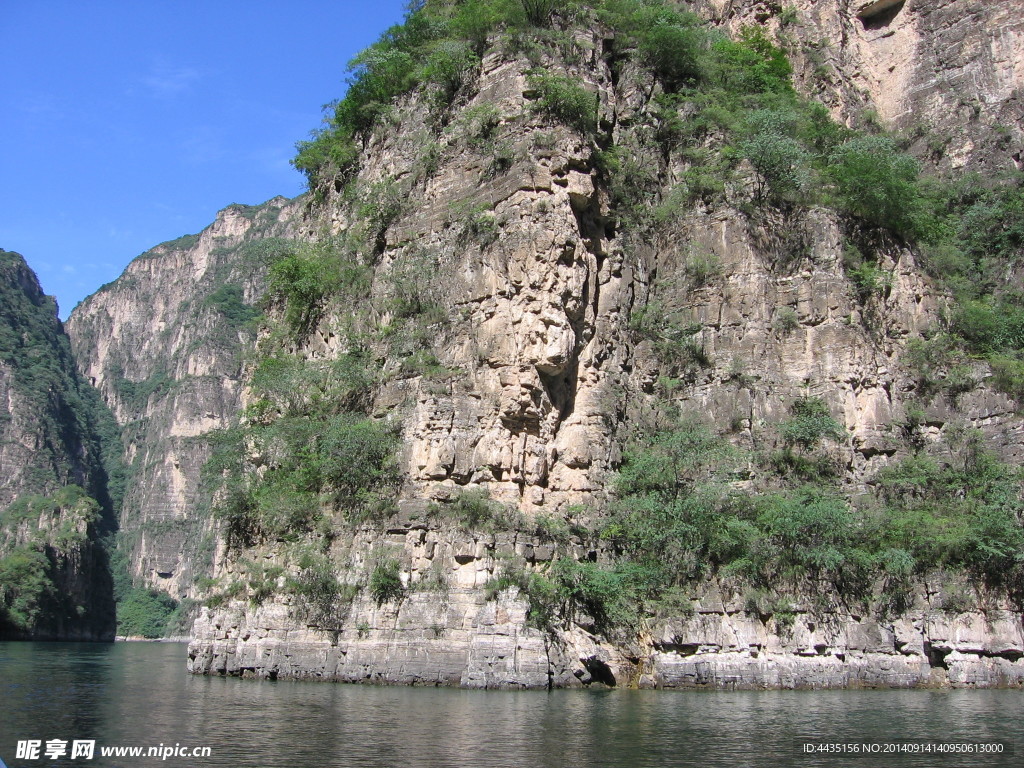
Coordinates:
125	124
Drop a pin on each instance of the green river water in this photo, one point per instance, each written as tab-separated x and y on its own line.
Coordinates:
139	695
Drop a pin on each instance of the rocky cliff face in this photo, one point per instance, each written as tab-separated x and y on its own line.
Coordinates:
54	578
164	345
947	73
528	293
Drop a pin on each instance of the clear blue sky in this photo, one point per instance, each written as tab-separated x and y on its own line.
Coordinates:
125	123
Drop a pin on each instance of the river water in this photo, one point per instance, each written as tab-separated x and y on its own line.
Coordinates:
139	695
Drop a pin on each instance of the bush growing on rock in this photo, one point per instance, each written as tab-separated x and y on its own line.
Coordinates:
877	182
386	582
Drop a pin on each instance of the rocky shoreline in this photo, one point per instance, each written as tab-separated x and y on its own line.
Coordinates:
465	641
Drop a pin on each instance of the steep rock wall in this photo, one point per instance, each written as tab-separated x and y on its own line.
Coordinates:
547	369
54	578
163	344
948	71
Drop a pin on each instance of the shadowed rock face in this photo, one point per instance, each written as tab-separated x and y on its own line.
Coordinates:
54	578
541	367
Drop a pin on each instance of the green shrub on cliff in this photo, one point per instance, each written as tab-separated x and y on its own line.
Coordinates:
678	518
965	514
303	280
386	582
752	64
343	462
563	99
229	302
877	182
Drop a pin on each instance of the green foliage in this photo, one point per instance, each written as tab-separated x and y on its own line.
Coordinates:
938	365
1008	376
474	510
571	590
380	204
324	600
135	395
320	453
71	499
438	47
562	99
331	154
538	12
26	590
786	320
575	588
356	462
552	528
261	581
229	302
867	278
811	423
342	461
807	534
674	517
479	123
990	327
670	45
304	279
965	514
877	182
702	268
144	613
781	164
992	222
678	518
751	65
674	342
386	582
477	222
288	385
180	621
632	184
447	67
975	241
412	291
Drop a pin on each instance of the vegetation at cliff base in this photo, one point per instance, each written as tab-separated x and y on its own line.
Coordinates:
42	539
679	517
320	451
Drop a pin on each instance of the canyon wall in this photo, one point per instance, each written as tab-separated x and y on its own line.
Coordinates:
164	345
516	330
54	500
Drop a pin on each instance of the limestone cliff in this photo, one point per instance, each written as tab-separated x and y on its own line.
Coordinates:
164	346
525	267
54	578
949	73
